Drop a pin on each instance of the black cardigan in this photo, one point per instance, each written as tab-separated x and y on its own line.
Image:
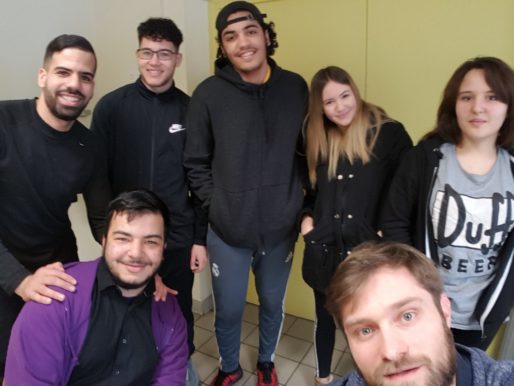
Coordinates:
345	209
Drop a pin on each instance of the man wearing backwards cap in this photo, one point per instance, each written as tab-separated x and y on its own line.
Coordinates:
242	128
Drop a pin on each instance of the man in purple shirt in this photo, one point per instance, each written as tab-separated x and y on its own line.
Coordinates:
110	330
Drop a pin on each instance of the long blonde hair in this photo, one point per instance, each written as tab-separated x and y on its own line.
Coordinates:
328	142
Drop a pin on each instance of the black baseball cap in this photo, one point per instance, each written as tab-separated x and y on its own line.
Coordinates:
229	9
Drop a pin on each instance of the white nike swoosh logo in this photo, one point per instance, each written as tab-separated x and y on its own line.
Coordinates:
175	128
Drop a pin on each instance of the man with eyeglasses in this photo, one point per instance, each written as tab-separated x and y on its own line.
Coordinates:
143	126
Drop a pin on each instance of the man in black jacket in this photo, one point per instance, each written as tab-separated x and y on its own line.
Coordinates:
143	126
47	157
243	126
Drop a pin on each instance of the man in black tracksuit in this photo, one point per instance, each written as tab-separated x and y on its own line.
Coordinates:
243	126
143	125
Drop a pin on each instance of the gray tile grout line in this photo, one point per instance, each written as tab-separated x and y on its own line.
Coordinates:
284	333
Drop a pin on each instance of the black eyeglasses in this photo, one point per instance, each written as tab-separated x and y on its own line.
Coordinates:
147	54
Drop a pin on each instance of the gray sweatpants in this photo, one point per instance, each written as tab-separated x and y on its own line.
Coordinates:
230	267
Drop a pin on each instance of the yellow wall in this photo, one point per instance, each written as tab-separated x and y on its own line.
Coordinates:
400	53
414	47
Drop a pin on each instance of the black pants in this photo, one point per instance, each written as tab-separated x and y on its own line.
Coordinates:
471	338
325	336
176	274
10	307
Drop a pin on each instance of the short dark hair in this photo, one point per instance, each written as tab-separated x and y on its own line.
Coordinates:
235	6
500	77
62	42
160	28
137	202
368	258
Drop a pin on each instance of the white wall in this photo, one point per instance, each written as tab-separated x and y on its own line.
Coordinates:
26	27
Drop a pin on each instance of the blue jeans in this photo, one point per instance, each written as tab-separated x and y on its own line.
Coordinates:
192	378
230	267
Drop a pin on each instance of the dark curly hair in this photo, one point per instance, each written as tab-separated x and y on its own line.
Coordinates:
159	28
135	203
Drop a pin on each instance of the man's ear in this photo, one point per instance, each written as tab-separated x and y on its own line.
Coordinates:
178	61
268	40
446	308
103	241
41	77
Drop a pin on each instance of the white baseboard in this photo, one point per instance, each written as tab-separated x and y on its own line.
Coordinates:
203	306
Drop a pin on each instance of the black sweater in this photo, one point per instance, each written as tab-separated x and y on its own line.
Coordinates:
41	172
145	136
240	154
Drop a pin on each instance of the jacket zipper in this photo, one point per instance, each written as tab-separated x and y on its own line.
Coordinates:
428	249
152	147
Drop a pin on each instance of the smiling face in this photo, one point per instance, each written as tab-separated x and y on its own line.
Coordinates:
396	334
339	103
244	44
480	114
67	85
157	74
133	250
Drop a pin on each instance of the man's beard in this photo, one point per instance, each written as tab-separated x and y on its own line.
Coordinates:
65	113
132	285
440	372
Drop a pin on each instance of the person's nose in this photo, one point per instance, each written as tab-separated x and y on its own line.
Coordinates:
243	41
154	59
74	81
339	105
136	248
478	105
394	344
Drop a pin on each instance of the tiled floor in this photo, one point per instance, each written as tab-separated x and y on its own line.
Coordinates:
294	358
